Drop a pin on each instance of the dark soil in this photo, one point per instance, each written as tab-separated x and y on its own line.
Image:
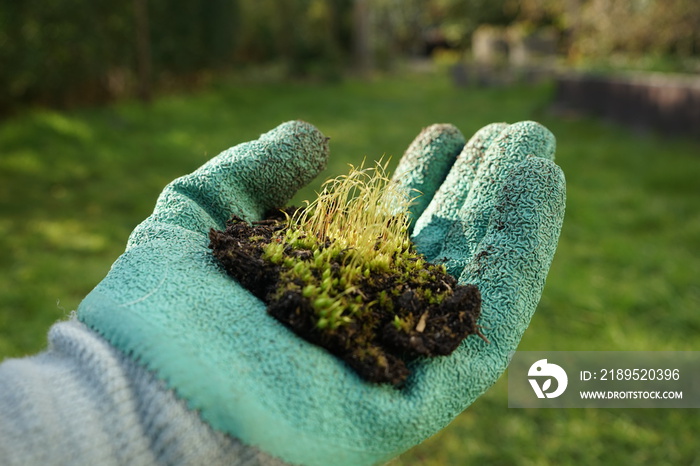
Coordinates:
373	344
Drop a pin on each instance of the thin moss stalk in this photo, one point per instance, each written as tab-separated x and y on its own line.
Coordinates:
360	223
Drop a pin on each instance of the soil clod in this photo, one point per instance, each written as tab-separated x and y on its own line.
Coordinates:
388	316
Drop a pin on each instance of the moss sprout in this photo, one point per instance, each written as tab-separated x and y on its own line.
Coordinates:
360	223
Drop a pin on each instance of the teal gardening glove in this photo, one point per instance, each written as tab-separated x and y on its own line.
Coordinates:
492	212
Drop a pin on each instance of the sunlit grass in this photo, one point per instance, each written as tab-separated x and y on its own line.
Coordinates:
625	277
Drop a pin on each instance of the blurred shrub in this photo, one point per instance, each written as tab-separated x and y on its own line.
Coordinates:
645	32
65	52
56	51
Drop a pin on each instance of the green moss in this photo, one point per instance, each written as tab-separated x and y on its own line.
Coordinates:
342	273
357	228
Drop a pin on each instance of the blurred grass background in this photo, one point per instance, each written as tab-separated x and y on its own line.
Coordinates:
74	184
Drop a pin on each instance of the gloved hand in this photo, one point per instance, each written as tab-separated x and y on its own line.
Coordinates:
169	305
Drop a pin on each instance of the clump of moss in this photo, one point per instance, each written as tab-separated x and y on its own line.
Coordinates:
343	273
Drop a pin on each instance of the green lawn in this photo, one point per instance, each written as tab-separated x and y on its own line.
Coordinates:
625	277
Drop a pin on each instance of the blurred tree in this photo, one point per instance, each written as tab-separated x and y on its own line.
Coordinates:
190	36
310	37
459	18
77	51
53	52
361	36
143	49
678	23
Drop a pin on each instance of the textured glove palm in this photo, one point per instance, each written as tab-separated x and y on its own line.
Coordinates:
491	212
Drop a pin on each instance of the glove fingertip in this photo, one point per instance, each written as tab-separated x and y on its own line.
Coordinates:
288	157
247	180
426	163
527	138
511	263
443	210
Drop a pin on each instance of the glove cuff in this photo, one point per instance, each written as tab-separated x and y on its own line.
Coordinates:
84	402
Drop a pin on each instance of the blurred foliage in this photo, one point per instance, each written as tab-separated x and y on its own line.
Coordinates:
596	30
67	52
418	27
458	19
51	51
310	37
75	51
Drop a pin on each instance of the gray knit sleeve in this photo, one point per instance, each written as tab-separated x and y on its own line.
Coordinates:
83	402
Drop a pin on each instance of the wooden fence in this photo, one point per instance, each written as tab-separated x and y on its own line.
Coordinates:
666	103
